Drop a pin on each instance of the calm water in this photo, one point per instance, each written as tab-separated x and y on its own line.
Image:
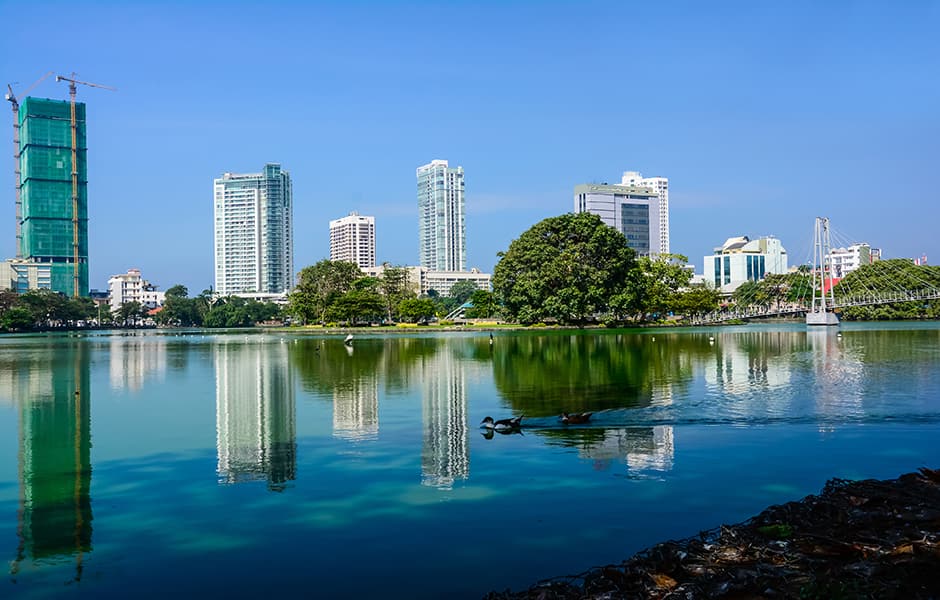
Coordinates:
244	464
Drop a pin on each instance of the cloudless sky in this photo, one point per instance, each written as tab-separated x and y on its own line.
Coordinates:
763	115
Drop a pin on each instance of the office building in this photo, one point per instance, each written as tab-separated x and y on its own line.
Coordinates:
632	210
22	275
660	185
741	259
254	243
441	228
53	226
352	239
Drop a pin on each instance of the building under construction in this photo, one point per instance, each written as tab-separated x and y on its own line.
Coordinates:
53	223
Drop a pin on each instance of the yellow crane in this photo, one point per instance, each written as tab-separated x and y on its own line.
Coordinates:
11	98
72	91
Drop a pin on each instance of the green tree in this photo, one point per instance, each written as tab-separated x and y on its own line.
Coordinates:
16	318
359	305
653	285
45	306
319	286
395	286
129	313
565	267
484	303
417	309
461	291
696	300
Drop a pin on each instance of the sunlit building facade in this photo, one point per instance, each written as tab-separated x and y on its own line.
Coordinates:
254	244
441	208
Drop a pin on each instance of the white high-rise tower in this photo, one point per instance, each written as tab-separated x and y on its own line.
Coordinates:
254	244
352	239
441	227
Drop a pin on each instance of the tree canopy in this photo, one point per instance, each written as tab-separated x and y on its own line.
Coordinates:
565	268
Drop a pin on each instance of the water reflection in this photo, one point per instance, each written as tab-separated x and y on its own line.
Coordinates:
356	409
135	357
749	359
51	389
256	435
445	449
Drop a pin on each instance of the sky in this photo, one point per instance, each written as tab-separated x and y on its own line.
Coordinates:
762	115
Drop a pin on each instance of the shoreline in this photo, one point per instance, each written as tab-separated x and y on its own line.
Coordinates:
856	539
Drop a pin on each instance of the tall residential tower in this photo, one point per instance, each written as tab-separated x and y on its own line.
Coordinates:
254	243
441	229
53	224
352	239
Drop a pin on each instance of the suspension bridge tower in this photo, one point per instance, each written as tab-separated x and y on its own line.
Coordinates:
821	312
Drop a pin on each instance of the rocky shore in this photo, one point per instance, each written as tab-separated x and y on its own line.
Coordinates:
856	539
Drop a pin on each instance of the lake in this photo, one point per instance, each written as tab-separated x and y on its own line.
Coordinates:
148	464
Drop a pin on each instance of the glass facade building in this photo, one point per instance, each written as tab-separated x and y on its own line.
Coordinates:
634	211
54	228
254	244
441	228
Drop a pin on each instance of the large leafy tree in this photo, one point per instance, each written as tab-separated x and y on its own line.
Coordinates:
565	268
461	291
319	286
484	303
653	285
417	309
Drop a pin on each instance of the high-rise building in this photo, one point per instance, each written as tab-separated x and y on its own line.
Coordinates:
660	185
441	229
53	227
633	211
254	243
352	239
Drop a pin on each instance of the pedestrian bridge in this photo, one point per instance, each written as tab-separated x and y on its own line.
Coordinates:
894	281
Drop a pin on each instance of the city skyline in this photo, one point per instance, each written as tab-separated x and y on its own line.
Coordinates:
781	117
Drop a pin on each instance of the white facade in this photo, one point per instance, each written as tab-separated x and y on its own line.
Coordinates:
441	228
741	259
634	211
352	239
131	287
254	246
424	280
845	260
660	185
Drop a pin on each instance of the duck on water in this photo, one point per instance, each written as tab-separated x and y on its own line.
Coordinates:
502	424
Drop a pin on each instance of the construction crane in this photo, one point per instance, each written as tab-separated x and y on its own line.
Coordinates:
11	98
72	91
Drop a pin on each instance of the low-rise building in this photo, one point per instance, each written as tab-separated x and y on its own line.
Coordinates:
845	260
22	275
423	280
741	259
131	287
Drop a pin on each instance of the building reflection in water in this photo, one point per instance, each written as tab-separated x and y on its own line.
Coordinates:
839	376
445	451
52	393
744	361
255	414
642	449
356	409
134	358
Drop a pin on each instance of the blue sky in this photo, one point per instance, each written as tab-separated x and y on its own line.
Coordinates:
763	115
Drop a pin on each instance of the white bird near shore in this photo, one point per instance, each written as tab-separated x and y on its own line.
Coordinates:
348	340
